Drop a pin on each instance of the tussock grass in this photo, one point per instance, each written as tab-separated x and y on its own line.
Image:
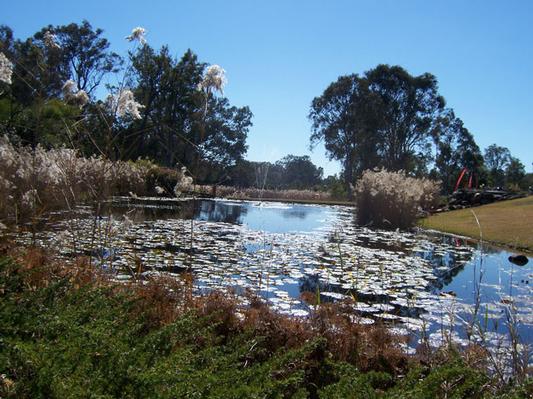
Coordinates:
392	199
508	223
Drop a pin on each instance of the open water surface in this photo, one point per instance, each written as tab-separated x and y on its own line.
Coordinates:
415	281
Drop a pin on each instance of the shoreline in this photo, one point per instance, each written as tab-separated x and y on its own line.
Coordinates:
505	224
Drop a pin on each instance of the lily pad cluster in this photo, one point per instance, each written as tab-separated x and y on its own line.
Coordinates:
393	277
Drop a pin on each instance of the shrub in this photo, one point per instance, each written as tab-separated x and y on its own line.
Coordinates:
393	199
69	330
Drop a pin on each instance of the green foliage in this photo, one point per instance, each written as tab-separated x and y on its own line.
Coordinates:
381	119
515	172
455	149
85	53
60	340
180	123
336	187
496	160
165	178
451	380
290	172
299	172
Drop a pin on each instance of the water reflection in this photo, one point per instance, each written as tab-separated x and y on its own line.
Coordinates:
216	211
266	216
283	250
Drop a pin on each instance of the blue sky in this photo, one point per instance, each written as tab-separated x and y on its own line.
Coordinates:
279	55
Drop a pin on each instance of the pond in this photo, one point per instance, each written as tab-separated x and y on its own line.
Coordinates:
423	283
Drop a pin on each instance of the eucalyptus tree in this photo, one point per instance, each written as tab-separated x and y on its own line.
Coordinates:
345	119
299	172
85	53
36	108
515	172
408	110
182	121
455	149
384	118
497	159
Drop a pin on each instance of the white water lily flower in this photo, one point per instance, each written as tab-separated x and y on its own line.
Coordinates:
123	103
137	34
50	40
6	69
214	78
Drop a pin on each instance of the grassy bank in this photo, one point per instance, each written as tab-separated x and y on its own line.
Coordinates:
508	223
73	333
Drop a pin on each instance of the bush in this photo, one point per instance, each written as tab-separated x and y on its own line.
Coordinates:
393	199
67	330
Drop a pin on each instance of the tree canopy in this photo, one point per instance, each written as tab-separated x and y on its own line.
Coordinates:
165	116
384	118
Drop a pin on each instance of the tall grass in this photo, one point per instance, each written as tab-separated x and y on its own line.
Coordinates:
33	181
392	199
259	193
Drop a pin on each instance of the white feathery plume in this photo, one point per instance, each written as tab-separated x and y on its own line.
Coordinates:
123	103
214	78
6	69
50	40
137	34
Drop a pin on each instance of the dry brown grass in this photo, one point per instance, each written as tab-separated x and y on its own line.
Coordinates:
163	300
508	223
305	196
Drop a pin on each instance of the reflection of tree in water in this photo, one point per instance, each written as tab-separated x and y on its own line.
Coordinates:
214	211
295	213
453	261
141	212
206	210
309	283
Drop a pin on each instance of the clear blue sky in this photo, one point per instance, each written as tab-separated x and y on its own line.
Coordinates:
280	54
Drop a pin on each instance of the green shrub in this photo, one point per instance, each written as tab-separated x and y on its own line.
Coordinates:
62	338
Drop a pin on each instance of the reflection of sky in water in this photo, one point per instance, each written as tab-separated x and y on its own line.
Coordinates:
272	217
290	248
497	281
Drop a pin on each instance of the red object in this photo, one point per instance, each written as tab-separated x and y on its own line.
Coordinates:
461	175
470	180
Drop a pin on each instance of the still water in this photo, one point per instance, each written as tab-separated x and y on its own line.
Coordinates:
416	281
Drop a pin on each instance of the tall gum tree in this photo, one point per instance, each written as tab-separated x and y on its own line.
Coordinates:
384	118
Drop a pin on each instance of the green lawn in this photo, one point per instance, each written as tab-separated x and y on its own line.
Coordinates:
508	223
